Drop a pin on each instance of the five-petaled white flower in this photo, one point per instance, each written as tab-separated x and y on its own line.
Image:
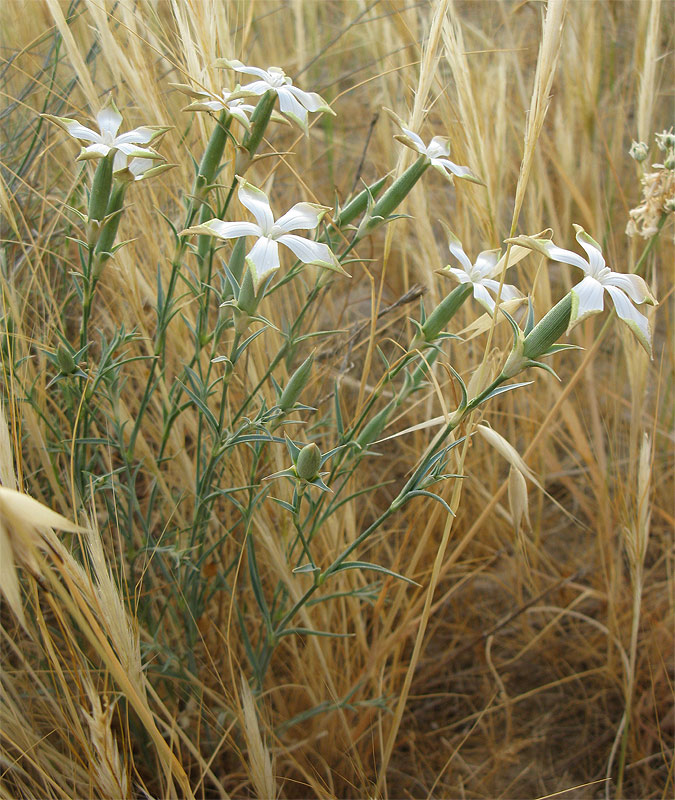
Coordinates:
263	258
588	296
437	151
109	120
293	101
482	274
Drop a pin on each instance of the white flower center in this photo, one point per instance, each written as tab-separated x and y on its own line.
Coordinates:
603	274
276	77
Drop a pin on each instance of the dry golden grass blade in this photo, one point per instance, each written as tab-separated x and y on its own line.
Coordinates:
547	60
262	771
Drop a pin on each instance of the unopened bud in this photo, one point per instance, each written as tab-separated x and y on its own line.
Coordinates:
296	384
308	463
66	360
247	301
442	314
639	151
549	329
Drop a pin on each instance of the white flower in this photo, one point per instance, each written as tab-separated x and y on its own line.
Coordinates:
263	258
588	296
209	101
109	120
481	274
293	102
437	152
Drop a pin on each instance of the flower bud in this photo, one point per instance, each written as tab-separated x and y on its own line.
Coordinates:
549	329
442	314
65	360
639	151
296	384
374	427
247	301
308	463
665	140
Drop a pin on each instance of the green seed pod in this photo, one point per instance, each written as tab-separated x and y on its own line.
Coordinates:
100	189
549	329
296	384
66	360
308	463
445	311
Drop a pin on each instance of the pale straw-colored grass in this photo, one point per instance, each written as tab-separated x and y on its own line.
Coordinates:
520	654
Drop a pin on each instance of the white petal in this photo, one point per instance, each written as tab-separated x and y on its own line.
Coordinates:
291	107
135	151
239	113
508	292
455	169
633	285
458	252
257	203
439	146
263	259
416	140
565	256
141	135
483	297
587	298
486	263
309	252
636	321
78	131
138	166
303	216
109	121
459	274
310	100
94	151
120	161
238	66
595	257
225	230
255	87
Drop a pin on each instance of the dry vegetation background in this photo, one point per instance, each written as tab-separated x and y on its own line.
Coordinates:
536	644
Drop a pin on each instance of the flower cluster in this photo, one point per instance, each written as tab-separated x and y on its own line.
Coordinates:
658	188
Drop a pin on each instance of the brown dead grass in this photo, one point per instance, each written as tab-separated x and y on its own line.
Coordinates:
529	654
